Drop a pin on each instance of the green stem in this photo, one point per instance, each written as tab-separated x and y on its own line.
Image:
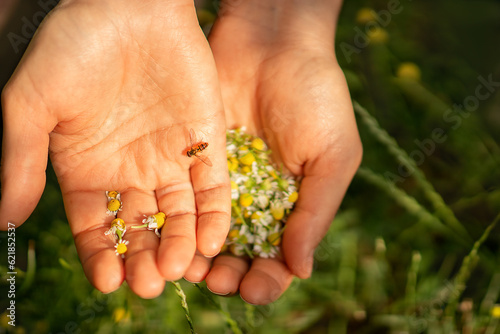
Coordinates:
182	295
465	270
411	283
232	324
31	268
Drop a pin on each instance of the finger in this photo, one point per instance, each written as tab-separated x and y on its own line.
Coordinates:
213	201
266	280
141	270
321	192
178	235
86	212
199	268
24	156
226	274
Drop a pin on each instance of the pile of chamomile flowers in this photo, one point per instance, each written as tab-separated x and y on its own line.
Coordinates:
262	197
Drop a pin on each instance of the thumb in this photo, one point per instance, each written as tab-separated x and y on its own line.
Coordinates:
321	192
24	154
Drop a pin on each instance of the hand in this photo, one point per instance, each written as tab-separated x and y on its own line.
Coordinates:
280	79
112	88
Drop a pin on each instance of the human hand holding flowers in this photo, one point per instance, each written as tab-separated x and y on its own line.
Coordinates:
111	89
280	79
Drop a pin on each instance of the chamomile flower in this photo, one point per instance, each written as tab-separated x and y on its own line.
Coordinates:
153	223
262	197
113	195
117	229
235	194
114	205
121	247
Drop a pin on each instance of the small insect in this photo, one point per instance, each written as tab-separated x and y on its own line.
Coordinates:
196	147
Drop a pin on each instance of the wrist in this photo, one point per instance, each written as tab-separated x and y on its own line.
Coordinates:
284	21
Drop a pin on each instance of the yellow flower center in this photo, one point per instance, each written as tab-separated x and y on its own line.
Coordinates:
121	248
118	223
247	159
246	200
114	205
246	170
293	197
234	185
408	70
160	219
119	314
495	311
257	215
232	164
274	238
258	144
112	194
278	213
233	234
378	35
365	15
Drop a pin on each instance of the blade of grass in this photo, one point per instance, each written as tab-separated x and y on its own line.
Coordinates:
465	270
231	323
411	282
406	201
182	296
31	268
442	210
491	294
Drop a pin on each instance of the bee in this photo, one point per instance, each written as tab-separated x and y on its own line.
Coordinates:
196	147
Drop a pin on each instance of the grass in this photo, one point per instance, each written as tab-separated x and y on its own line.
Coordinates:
414	247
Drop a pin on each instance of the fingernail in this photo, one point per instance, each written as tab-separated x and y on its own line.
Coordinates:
211	256
218	293
194	282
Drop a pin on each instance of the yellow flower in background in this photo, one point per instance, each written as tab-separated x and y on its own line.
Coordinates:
408	70
120	314
365	15
495	311
378	35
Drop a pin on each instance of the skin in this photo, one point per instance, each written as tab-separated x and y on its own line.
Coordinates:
280	79
111	88
103	93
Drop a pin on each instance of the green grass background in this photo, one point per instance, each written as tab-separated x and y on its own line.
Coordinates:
397	258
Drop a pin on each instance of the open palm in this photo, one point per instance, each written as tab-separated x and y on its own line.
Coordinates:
294	95
112	89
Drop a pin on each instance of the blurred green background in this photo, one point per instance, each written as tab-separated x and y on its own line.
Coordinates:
396	259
